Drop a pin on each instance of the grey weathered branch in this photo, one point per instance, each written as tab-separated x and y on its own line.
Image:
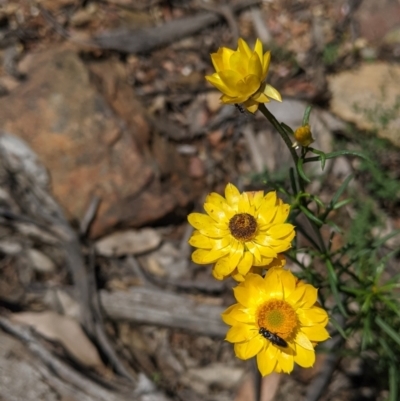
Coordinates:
147	39
158	307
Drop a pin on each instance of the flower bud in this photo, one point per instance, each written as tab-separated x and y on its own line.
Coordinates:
303	136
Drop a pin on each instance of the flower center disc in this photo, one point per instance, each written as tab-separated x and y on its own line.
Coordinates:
278	317
243	227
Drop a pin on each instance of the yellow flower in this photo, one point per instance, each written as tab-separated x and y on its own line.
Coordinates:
240	231
240	75
277	319
303	136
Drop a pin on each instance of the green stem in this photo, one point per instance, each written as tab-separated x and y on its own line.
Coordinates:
276	124
271	118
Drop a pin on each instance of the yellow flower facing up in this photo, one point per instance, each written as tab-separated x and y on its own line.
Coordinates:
240	231
277	319
240	75
303	136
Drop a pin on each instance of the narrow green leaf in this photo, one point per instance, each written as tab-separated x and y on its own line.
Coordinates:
352	290
332	155
321	158
311	216
390	305
334	226
337	297
342	203
306	116
293	180
304	232
386	238
348	153
333	280
340	190
323	161
301	171
367	303
393	381
386	347
331	271
338	327
367	337
388	330
317	200
287	129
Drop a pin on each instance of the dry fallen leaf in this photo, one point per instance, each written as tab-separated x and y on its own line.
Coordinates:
66	331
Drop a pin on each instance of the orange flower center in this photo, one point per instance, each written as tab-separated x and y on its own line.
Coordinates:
278	317
243	227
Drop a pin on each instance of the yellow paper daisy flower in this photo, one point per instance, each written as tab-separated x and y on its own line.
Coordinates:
240	231
277	319
240	75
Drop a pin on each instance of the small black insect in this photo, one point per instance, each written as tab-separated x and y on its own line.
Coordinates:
240	108
275	339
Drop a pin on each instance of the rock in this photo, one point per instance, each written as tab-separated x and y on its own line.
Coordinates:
370	98
130	242
216	374
167	261
10	247
93	140
376	18
40	262
65	330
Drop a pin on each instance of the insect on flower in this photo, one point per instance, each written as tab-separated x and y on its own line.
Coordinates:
274	338
240	108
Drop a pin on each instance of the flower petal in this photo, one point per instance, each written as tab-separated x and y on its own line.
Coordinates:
255	67
304	357
266	61
201	241
231	78
267	251
316	333
222	268
228	316
243	48
216	81
310	317
285	361
220	59
248	85
241	332
272	93
232	195
258	49
245	263
216	213
266	364
303	341
199	221
281	230
205	256
248	349
254	250
251	105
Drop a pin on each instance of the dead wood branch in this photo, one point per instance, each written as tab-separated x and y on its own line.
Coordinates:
48	368
145	40
154	306
28	190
